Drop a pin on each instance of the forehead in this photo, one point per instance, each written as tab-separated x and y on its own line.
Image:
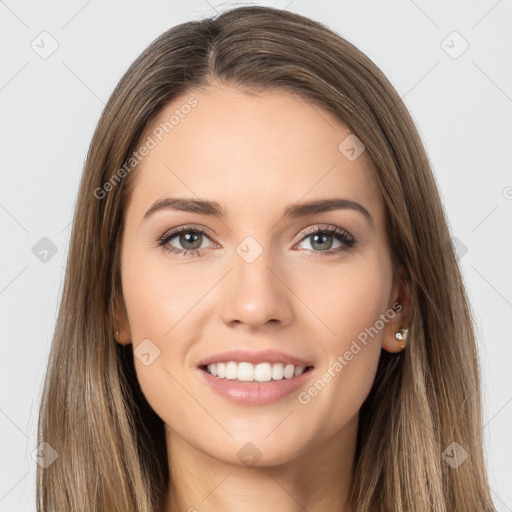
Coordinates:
251	150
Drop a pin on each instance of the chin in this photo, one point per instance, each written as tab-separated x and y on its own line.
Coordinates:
257	447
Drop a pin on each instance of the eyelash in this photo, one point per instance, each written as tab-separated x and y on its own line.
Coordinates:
341	235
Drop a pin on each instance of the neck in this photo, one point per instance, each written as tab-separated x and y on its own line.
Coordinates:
318	479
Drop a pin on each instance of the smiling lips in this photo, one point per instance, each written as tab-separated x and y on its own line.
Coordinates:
254	378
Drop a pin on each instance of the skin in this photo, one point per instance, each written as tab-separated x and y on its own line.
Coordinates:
255	155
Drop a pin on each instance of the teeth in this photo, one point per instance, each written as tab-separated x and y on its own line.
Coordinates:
247	372
231	370
298	370
221	370
277	371
263	372
289	371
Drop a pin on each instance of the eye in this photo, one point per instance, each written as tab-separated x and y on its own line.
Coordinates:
190	238
321	240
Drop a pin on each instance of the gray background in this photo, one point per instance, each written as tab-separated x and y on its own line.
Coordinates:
462	105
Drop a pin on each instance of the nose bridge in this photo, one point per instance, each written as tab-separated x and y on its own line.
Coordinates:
258	293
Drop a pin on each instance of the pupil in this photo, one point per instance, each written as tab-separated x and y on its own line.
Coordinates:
185	239
323	237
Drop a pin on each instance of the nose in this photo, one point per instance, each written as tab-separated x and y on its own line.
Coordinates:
256	293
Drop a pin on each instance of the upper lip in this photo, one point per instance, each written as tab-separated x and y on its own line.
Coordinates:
254	357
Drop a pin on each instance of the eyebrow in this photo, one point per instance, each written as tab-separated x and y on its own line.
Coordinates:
296	210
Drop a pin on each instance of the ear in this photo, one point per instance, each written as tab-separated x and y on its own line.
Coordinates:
121	324
400	301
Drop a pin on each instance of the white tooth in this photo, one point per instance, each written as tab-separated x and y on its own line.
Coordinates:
299	370
263	372
246	372
289	371
277	371
221	370
231	370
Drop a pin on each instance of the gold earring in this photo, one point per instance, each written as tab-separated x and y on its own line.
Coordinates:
116	337
401	335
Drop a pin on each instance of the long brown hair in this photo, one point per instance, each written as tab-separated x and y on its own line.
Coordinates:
110	443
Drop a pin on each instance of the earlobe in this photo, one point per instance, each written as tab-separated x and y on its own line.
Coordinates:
395	337
122	332
122	338
395	343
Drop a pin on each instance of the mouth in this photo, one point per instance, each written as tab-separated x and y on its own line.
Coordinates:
246	372
248	377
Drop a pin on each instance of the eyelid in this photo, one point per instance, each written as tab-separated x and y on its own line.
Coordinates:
323	227
190	227
318	228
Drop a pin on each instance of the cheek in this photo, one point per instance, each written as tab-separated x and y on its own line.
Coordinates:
160	307
347	299
351	310
158	296
357	310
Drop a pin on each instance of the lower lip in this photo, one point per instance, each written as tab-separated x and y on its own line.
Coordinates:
254	393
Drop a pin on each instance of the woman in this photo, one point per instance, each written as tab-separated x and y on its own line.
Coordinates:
262	307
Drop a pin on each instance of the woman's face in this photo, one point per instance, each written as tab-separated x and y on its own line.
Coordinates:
262	291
